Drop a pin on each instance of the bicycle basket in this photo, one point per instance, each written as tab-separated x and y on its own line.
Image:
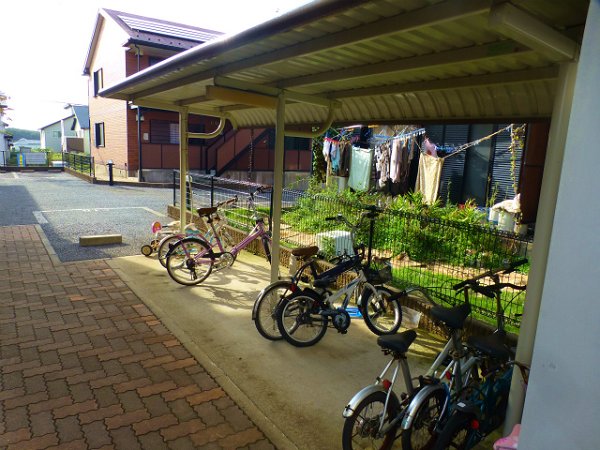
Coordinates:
380	276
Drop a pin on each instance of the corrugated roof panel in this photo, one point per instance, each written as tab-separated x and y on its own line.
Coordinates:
309	57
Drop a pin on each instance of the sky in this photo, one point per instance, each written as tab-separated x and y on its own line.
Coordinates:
45	43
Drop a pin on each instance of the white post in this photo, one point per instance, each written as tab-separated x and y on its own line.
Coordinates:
562	404
183	166
277	185
543	234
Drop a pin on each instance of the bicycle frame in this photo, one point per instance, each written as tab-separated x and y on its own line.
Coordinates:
213	236
259	231
401	364
347	291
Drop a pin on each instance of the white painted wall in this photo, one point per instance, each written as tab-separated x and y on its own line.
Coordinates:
562	406
48	138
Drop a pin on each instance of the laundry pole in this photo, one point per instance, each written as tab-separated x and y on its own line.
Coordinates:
277	193
183	166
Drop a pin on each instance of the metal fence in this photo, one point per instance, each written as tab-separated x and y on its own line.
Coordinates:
78	162
424	251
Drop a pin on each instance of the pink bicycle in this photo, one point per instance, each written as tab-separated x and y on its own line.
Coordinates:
191	260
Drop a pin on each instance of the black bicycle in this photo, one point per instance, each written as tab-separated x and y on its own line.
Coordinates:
304	316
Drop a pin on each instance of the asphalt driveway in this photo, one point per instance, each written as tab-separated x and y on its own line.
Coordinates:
67	208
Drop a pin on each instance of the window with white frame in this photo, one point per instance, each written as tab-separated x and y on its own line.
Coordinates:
98	81
99	132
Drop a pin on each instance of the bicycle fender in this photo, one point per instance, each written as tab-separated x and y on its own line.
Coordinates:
415	403
365	293
281	283
192	239
360	396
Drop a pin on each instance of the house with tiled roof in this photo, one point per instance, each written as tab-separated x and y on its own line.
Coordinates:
70	134
123	44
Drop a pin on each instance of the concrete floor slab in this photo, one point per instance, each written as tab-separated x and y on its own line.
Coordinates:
295	395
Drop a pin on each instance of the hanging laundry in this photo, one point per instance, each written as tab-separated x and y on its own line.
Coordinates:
360	168
334	153
382	163
428	177
429	147
345	151
326	147
395	159
331	154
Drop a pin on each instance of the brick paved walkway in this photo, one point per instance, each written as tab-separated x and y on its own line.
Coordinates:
85	365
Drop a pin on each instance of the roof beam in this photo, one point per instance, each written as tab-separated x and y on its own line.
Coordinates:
531	32
457	56
546	73
274	92
239	96
178	108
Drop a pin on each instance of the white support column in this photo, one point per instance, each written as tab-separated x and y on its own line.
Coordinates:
543	234
183	166
561	408
277	185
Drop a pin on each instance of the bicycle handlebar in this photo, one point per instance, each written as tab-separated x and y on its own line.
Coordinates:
472	282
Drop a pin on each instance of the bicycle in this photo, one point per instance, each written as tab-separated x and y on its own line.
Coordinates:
403	422
373	415
303	317
433	405
265	305
481	407
213	237
422	406
190	261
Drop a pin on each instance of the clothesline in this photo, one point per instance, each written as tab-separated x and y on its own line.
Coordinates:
382	138
462	148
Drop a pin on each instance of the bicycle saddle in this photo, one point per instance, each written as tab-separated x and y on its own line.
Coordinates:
453	317
492	345
397	342
206	211
305	252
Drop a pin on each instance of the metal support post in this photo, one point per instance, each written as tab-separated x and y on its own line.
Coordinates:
183	165
277	185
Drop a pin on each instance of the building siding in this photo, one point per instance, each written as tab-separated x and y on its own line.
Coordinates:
109	57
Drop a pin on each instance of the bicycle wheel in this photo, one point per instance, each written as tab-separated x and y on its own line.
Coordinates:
361	428
458	433
382	315
299	321
421	434
190	261
164	247
265	308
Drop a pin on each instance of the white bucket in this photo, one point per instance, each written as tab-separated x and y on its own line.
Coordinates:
493	216
506	221
520	229
410	317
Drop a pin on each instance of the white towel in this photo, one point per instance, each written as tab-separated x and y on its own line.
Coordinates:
428	177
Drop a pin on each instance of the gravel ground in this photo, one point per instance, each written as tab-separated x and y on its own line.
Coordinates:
67	208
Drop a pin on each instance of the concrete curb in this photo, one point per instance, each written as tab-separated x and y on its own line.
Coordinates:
51	252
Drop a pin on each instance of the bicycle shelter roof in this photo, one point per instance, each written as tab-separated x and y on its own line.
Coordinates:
378	61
